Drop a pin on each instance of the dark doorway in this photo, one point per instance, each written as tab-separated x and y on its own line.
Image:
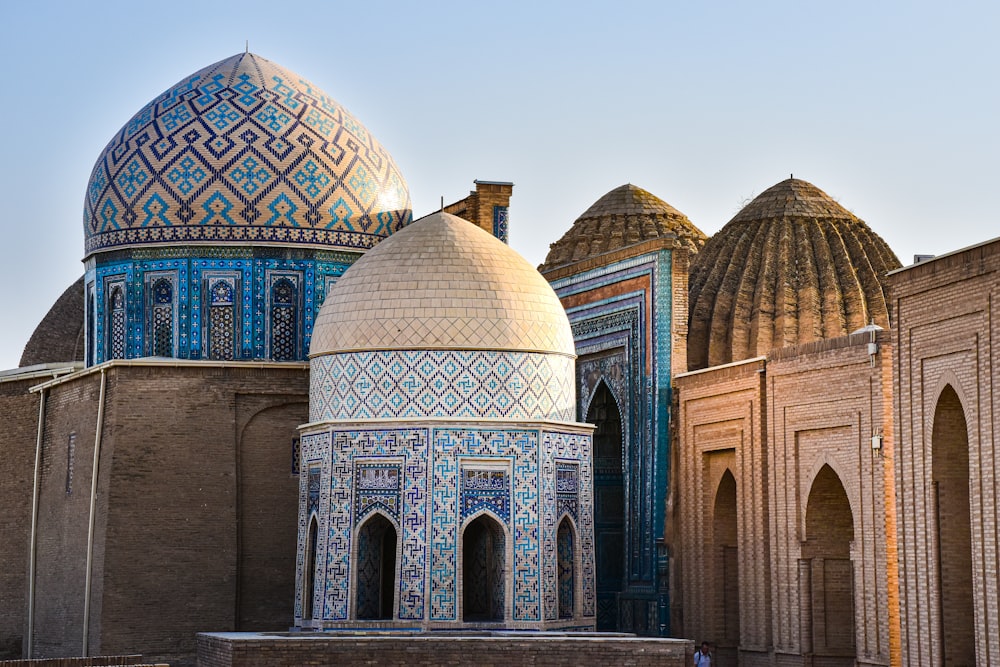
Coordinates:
830	577
376	569
310	571
609	505
483	580
950	470
726	580
567	570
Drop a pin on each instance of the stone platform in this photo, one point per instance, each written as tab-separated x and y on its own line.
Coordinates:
419	649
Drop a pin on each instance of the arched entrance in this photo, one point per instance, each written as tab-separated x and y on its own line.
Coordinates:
726	581
828	579
309	571
609	504
567	569
376	569
483	571
950	475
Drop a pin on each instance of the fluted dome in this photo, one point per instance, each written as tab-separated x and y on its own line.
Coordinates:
442	283
792	267
244	151
624	217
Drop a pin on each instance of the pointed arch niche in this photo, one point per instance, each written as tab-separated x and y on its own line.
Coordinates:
566	565
828	580
484	556
309	571
609	503
950	478
376	569
726	582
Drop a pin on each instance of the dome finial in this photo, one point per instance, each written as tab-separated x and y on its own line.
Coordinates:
247	47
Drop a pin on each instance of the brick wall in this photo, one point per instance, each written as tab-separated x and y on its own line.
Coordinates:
432	651
947	362
794	432
721	431
477	208
19	411
196	506
825	400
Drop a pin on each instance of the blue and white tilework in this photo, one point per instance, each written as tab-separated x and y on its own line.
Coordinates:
442	477
441	383
250	273
243	152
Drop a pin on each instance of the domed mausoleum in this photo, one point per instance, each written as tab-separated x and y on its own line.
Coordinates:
218	216
792	267
443	480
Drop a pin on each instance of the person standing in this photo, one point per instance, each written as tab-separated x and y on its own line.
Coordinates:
703	656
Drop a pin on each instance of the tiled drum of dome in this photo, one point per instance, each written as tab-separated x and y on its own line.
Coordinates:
442	383
244	151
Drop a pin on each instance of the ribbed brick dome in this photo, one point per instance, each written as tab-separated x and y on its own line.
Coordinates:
792	267
59	336
626	216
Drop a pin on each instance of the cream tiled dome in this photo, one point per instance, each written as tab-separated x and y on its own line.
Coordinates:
442	283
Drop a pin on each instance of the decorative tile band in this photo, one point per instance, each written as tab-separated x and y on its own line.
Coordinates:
442	383
432	473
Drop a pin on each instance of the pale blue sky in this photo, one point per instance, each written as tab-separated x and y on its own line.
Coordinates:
891	108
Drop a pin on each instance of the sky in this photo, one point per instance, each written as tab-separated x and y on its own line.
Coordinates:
892	108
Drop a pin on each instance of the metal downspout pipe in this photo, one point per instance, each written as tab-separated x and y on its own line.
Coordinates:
93	514
33	548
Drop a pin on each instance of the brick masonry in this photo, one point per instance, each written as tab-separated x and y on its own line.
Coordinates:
196	505
946	370
793	431
218	650
17	463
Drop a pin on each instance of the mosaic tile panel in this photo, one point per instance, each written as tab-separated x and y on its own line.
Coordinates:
444	477
220	306
441	383
450	445
337	451
487	489
624	340
244	151
568	451
377	487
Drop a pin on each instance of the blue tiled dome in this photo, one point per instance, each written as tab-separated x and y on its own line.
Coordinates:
244	151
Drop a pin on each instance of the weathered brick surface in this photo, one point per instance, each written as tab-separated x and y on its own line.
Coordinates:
196	506
945	373
793	431
17	463
477	208
426	650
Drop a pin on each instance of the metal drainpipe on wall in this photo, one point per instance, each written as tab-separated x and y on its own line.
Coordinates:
34	526
93	513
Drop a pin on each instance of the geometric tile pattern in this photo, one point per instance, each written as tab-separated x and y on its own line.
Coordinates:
248	274
624	341
487	489
442	477
244	151
441	383
450	446
570	454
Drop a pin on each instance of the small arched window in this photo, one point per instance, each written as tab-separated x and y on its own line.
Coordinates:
284	320
163	318
221	322
116	322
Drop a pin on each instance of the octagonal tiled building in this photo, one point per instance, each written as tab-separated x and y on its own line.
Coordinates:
444	483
